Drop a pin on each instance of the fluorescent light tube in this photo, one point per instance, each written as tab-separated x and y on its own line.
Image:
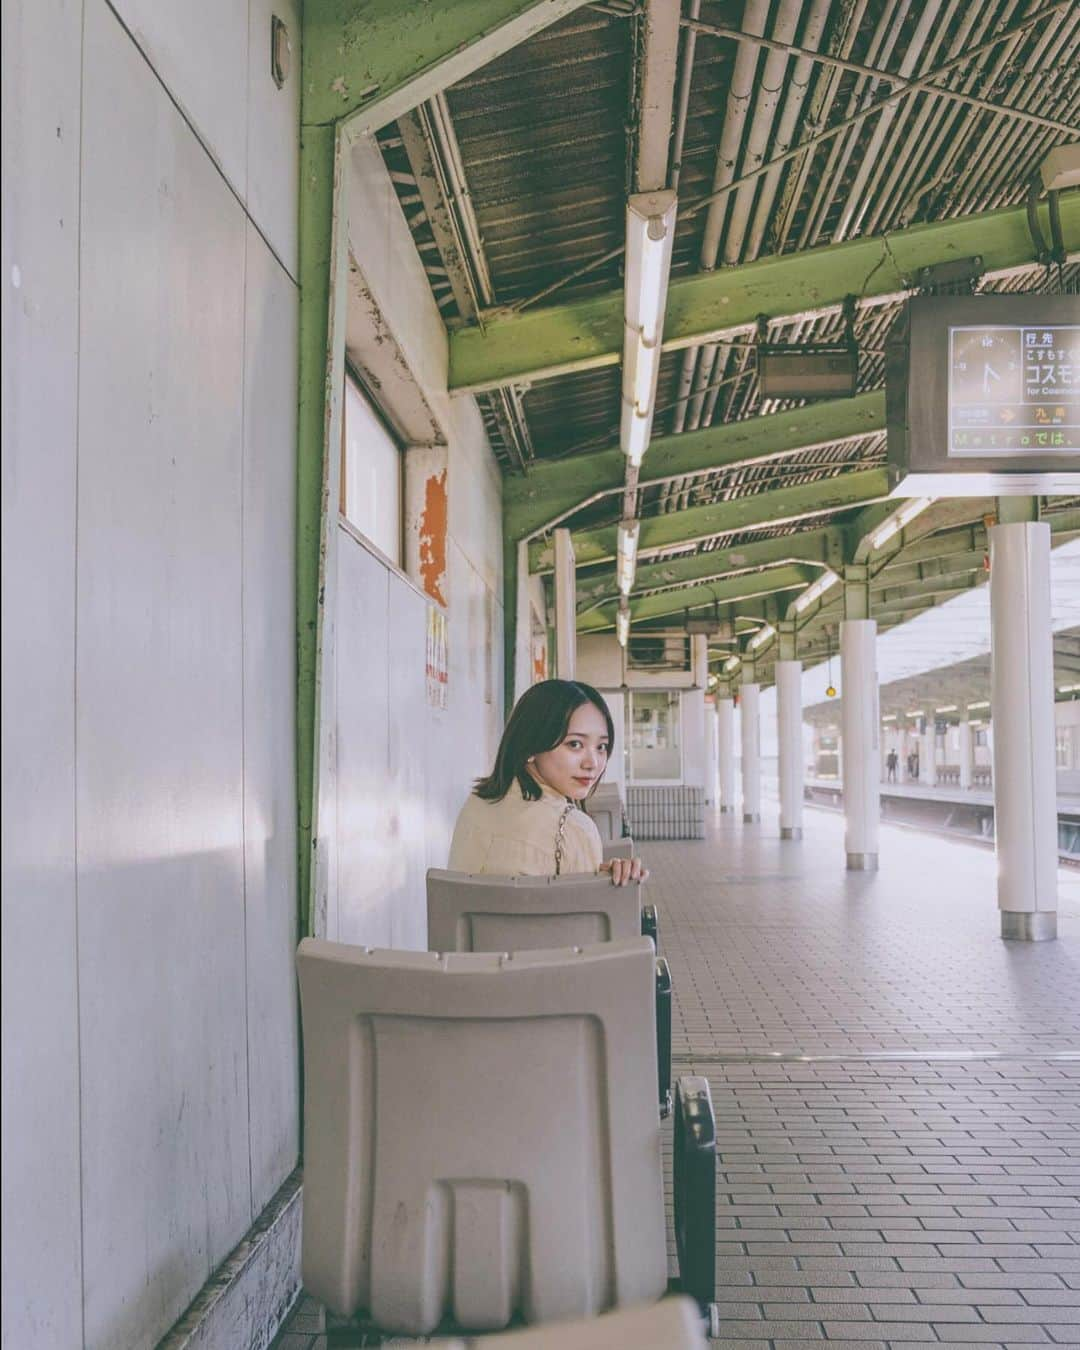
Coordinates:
896	522
634	434
622	624
626	554
816	590
761	637
732	663
650	234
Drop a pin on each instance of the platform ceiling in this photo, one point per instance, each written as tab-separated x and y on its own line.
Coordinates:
514	182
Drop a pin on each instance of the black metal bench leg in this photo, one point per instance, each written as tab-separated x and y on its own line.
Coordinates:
695	1195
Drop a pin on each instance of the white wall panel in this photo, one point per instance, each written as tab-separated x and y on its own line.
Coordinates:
273	134
270	362
41	1236
366	853
382	245
159	718
199	51
406	654
475	503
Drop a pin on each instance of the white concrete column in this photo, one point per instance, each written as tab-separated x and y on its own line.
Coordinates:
750	720
902	769
725	753
1022	698
861	723
712	754
928	755
565	606
789	737
964	753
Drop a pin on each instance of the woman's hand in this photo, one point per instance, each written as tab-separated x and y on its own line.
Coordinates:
625	869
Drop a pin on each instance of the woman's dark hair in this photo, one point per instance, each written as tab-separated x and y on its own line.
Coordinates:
538	723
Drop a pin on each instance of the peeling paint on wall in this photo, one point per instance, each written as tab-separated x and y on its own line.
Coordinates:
433	529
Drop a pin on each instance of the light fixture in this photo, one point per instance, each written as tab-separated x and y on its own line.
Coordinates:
626	554
1061	167
1068	688
622	623
918	712
949	707
732	663
816	590
650	234
889	717
973	706
761	637
899	519
809	370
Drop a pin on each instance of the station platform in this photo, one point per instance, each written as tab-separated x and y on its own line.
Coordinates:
897	1091
1068	802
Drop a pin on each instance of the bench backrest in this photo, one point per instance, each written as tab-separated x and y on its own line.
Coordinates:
605	807
481	1134
510	914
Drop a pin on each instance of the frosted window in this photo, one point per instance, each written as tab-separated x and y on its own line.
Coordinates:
371	482
655	749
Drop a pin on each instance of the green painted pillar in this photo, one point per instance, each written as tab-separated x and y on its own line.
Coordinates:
323	247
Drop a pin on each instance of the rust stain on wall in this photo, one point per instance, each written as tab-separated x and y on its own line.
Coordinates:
433	529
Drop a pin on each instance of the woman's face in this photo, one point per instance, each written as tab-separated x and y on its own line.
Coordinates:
579	760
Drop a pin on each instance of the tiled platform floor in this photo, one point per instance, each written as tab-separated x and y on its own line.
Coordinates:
897	1091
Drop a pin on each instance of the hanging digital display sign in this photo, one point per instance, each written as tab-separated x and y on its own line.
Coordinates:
983	396
1014	390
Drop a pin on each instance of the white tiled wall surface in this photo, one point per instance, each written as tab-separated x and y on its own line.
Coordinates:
150	1057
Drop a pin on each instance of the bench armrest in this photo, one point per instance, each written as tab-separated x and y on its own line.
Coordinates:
695	1188
663	1034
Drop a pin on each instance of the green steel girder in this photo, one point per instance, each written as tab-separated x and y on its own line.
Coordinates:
780	506
891	600
946	513
810	546
586	333
374	60
551	489
929	572
698	597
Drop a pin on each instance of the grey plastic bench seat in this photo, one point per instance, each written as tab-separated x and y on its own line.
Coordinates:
481	1134
671	1324
505	914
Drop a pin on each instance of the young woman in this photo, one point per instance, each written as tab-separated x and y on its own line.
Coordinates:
524	818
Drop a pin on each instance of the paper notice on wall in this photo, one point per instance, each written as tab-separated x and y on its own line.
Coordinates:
437	661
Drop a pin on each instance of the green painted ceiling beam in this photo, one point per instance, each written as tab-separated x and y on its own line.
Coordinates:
699	597
845	491
929	572
586	333
821	546
550	489
376	59
892	599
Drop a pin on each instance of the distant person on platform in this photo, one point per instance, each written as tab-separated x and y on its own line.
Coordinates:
892	760
525	818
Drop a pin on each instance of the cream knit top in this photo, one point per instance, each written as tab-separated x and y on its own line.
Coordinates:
516	837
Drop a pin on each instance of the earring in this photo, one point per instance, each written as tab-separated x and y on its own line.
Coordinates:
531	759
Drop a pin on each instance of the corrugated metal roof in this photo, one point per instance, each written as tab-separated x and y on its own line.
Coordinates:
544	144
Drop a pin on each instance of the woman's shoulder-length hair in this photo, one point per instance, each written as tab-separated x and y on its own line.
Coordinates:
537	723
